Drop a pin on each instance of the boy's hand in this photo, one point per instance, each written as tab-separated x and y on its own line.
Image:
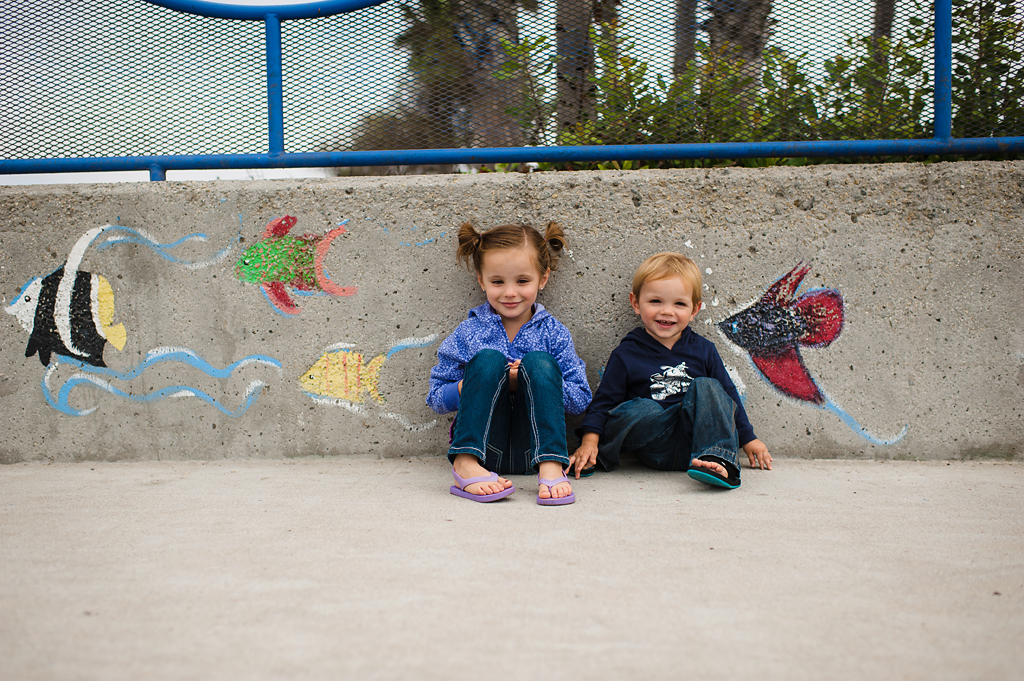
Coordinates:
586	455
758	455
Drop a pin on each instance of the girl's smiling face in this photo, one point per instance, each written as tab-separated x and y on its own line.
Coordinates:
511	280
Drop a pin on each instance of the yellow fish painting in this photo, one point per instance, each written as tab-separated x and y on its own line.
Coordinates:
341	374
343	377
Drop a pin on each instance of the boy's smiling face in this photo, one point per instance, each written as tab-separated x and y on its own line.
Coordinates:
665	307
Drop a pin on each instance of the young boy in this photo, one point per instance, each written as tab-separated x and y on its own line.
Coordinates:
665	393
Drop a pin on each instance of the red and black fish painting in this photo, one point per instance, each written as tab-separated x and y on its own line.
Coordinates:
773	330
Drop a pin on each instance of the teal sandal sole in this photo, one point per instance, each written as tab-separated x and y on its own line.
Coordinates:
711	479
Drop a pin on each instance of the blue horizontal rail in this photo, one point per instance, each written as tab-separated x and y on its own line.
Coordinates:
651	152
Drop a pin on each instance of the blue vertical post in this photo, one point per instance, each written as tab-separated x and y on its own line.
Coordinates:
275	91
157	173
944	70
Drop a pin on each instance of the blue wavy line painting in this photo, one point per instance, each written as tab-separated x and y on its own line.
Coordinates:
101	378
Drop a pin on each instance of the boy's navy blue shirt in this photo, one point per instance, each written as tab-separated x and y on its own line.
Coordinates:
642	367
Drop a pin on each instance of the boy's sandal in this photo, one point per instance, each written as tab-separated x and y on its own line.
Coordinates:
587	472
459	488
552	501
711	477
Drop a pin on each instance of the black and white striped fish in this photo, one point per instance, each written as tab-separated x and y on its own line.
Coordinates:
69	312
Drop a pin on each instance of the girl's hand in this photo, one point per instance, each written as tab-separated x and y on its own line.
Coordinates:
586	455
758	455
460	388
513	375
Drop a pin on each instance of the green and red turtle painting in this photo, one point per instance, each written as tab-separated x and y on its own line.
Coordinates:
279	261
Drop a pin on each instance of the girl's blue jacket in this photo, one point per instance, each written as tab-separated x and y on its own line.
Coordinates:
483	329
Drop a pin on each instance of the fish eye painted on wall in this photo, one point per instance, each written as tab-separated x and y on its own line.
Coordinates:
342	377
772	329
279	260
69	317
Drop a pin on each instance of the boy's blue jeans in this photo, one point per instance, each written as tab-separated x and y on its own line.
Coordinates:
668	438
511	433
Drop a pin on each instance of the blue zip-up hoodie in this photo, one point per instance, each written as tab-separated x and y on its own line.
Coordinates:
483	329
642	367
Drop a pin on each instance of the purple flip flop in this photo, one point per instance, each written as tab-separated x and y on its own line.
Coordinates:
551	501
459	488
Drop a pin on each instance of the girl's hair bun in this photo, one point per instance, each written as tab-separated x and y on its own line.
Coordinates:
467	252
555	237
474	244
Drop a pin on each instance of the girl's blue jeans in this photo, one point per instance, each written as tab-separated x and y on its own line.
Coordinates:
511	433
668	438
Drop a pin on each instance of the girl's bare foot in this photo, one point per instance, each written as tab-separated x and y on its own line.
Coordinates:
468	466
552	470
712	466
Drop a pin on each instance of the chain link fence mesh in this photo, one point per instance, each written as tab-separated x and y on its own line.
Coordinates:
126	78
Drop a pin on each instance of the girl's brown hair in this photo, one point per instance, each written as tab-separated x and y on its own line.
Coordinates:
473	244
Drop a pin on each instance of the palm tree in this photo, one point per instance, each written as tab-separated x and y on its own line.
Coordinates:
480	28
575	50
738	30
686	35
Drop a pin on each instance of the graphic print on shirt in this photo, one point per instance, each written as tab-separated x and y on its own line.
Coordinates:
670	381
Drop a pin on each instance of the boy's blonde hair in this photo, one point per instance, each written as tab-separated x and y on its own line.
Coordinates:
666	266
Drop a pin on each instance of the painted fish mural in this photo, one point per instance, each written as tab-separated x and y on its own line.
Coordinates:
69	312
341	374
774	328
344	378
69	316
279	260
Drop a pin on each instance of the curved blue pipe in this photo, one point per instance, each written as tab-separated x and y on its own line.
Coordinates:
298	10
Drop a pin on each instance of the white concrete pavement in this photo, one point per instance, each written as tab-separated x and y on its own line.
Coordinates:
364	568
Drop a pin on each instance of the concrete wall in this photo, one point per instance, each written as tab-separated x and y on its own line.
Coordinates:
925	259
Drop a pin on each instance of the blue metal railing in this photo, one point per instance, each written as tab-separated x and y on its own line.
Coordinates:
942	143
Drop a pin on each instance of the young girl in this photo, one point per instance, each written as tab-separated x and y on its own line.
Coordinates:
510	370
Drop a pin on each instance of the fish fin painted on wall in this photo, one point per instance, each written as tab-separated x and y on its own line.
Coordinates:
277	296
772	329
789	375
101	378
343	377
279	261
322	279
279	227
